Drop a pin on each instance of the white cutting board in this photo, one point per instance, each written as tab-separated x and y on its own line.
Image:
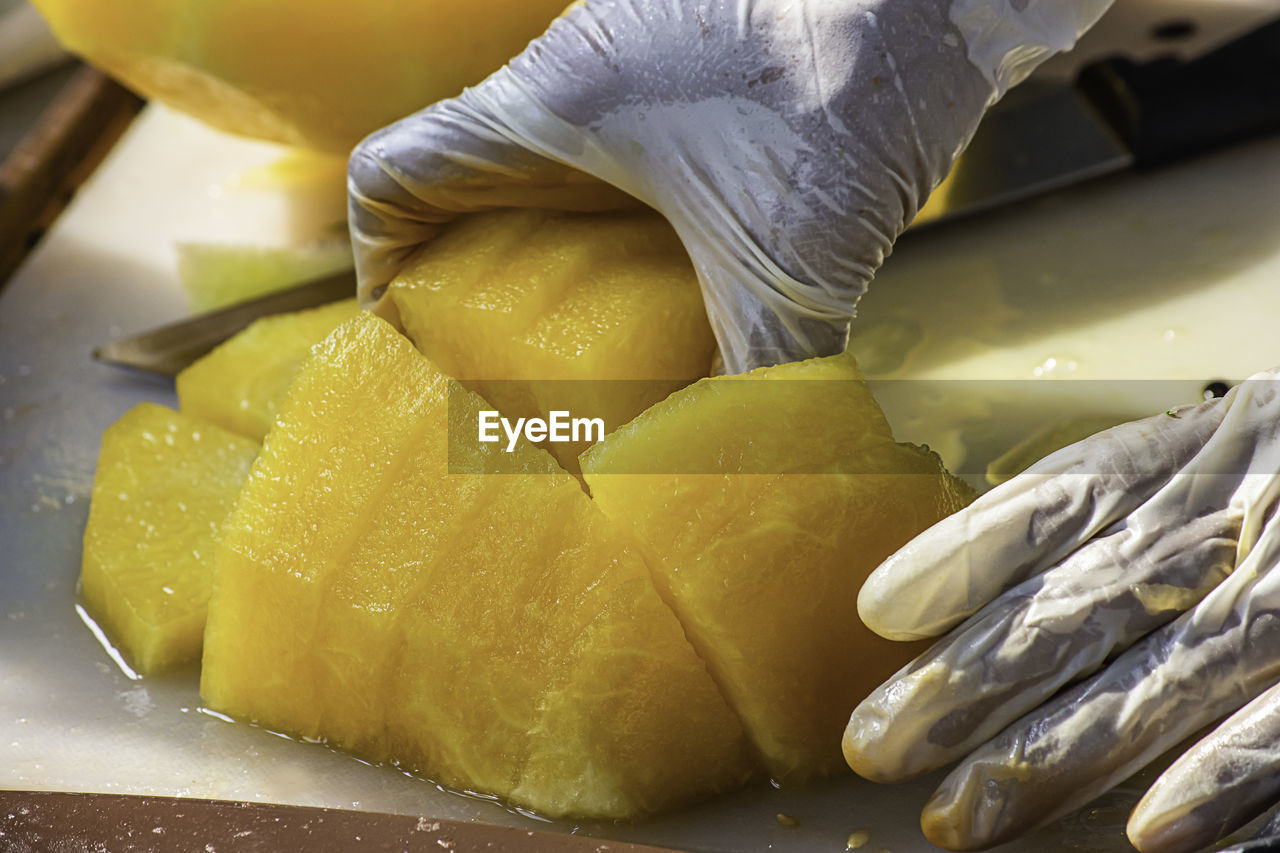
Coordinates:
1122	297
1168	276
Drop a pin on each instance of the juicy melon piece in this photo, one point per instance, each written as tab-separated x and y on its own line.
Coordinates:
507	299
240	384
217	275
164	484
494	633
314	74
764	501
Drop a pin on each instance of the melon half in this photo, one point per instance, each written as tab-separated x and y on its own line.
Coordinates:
319	75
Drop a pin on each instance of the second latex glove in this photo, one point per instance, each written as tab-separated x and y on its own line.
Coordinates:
788	142
1147	554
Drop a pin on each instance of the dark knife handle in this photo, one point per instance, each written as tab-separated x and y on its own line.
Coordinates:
1167	109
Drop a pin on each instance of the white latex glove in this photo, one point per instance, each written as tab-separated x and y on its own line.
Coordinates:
1147	554
789	142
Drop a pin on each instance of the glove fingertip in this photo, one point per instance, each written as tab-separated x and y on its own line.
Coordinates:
891	605
1171	818
867	749
860	762
1151	832
945	829
873	615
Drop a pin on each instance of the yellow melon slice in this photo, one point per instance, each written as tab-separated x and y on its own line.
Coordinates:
216	275
164	484
595	314
764	501
493	632
315	74
240	384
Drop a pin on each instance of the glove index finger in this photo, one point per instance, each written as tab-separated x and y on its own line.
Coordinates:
479	151
1030	523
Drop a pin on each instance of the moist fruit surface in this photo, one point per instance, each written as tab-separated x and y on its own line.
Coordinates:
492	631
164	484
596	314
242	382
764	501
315	73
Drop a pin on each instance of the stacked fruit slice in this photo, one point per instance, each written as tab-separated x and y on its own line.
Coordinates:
689	624
641	316
240	384
541	311
493	632
165	482
765	500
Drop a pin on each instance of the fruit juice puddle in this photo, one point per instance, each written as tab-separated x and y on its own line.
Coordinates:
140	704
116	656
808	815
143	704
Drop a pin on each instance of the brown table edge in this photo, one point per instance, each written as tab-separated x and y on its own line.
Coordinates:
52	820
72	136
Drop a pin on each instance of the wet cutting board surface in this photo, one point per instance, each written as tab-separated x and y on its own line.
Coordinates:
1169	276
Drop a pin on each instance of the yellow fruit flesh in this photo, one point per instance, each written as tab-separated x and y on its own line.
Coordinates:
240	384
215	275
763	568
492	632
314	74
164	484
496	633
507	299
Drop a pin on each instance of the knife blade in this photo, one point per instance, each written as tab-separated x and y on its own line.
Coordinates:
55	820
168	349
1117	115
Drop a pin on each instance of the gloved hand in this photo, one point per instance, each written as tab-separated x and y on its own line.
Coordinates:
788	142
1146	554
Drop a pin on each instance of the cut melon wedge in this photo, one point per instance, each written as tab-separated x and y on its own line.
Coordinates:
164	484
216	275
764	501
241	383
599	315
492	632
